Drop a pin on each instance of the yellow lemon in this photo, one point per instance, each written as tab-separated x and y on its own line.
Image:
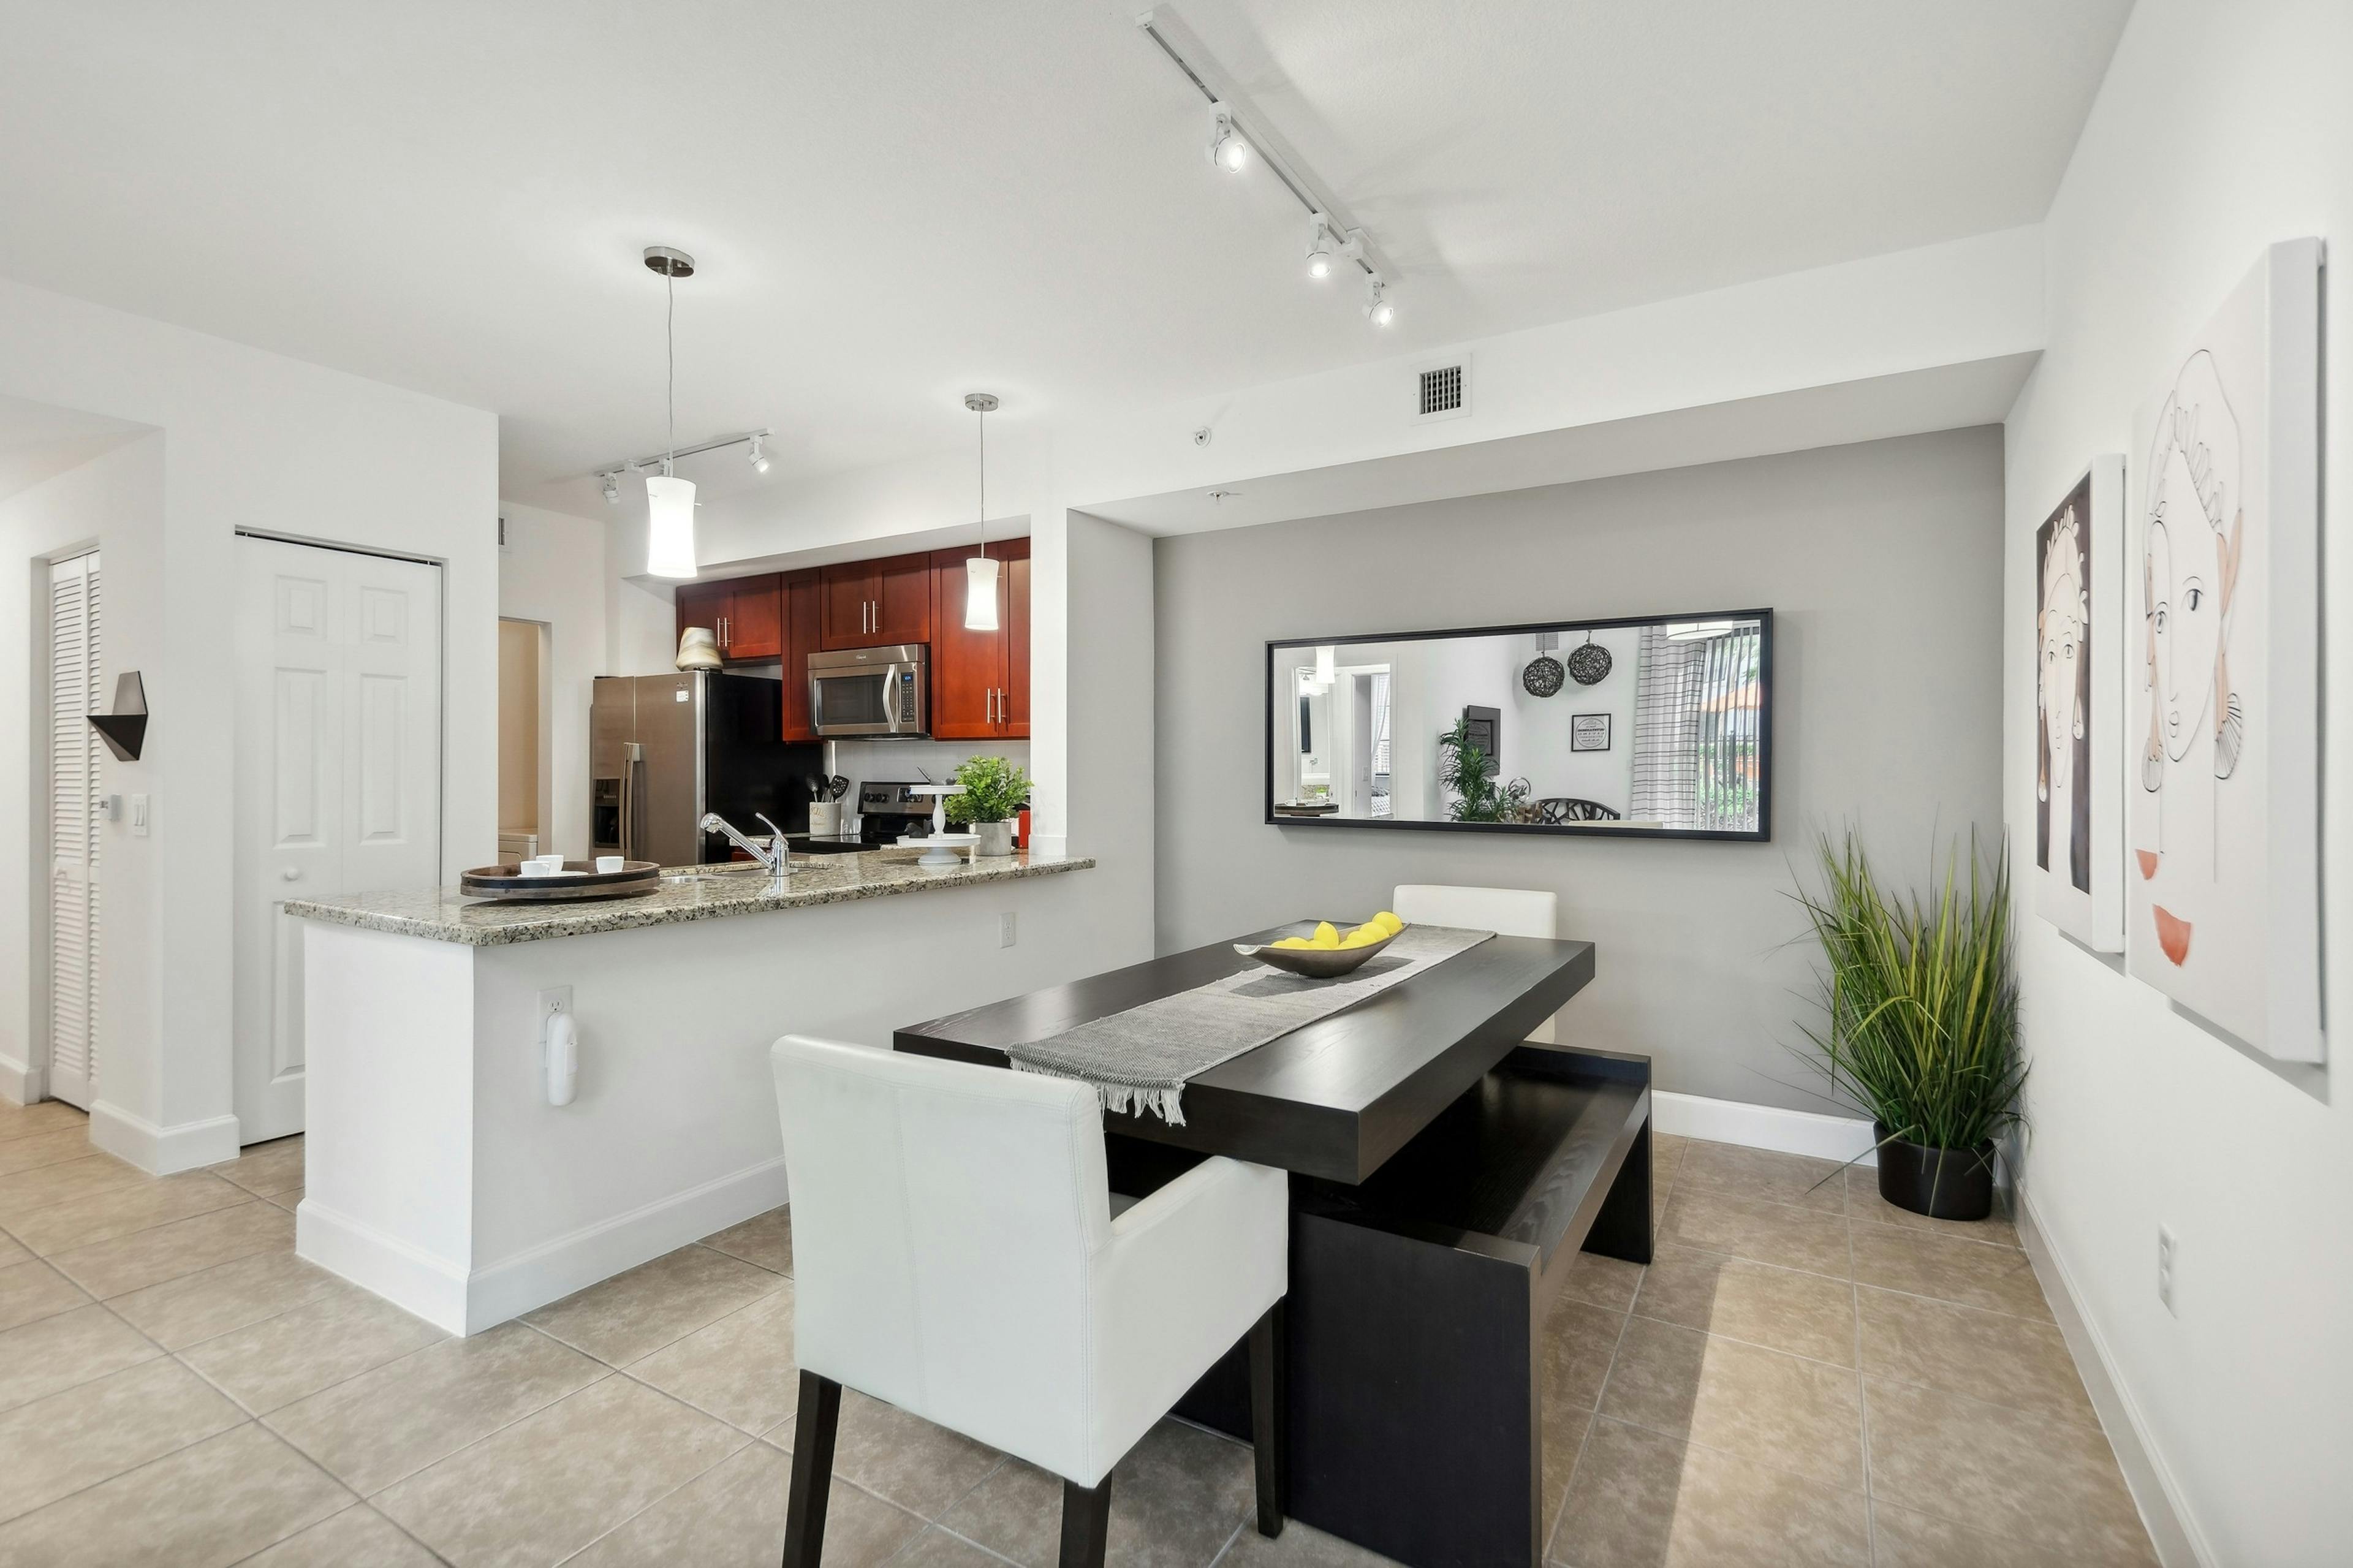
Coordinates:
1295	942
1327	935
1389	922
1371	931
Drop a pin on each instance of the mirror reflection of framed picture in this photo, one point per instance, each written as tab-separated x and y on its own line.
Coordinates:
1589	731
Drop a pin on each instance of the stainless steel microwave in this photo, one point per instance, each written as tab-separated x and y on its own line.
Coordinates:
870	691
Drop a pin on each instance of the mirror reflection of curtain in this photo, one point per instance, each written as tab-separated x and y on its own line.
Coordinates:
1696	728
1380	743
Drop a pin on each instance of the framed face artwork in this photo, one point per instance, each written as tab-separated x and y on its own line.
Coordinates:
2221	889
2079	693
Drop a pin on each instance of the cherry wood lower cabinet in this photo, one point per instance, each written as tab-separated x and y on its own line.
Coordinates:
974	692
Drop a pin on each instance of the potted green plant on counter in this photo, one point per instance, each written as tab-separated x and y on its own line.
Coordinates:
993	791
1922	1022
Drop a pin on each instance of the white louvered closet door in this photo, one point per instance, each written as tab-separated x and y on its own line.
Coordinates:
75	669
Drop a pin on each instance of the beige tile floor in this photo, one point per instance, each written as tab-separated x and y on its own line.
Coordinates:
1802	1376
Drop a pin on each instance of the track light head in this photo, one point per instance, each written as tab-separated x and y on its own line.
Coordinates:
612	489
1228	151
1377	308
1319	248
756	456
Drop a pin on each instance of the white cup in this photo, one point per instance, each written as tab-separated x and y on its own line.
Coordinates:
538	869
551	862
609	862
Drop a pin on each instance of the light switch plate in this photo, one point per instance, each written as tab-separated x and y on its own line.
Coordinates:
138	816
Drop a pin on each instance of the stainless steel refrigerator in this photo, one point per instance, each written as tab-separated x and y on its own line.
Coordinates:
665	749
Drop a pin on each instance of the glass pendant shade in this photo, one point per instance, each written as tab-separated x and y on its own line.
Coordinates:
670	527
1325	673
980	593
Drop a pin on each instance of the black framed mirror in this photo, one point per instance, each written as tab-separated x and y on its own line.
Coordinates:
1657	726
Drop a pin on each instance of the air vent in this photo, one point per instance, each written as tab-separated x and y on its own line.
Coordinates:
1443	389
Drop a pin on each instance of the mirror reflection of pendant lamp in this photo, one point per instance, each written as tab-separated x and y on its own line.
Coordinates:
669	500
980	571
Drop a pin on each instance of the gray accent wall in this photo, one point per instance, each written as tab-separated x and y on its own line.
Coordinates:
1883	561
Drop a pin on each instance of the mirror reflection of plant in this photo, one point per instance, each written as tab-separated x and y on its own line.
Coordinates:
1471	773
994	791
1922	998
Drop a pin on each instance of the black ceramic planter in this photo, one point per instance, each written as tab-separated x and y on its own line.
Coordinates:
1943	1184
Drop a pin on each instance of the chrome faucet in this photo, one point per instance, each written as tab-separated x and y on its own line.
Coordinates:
777	858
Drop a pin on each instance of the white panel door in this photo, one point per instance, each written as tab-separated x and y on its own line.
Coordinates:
75	671
339	770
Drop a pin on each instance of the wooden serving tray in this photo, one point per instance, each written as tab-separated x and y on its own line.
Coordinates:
507	884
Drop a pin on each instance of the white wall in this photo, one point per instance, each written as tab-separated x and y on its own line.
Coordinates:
2221	127
116	503
258	441
1883	564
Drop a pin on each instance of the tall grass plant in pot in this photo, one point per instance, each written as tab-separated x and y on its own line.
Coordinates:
1921	1026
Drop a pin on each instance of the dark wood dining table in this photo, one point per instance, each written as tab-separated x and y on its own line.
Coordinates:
1445	1173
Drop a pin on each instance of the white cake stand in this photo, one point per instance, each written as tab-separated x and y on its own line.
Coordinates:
942	846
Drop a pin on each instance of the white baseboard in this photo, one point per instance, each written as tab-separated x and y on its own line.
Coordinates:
2169	1523
160	1151
412	1279
553	1269
20	1082
1764	1127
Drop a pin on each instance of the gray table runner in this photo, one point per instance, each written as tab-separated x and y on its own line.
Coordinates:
1139	1060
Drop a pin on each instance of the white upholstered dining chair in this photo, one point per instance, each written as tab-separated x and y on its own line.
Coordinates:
1506	911
954	1255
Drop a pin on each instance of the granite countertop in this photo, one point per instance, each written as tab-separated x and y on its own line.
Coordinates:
687	893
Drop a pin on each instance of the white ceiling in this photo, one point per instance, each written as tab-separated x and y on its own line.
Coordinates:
897	201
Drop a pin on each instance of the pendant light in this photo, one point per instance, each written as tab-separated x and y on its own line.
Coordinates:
669	500
980	572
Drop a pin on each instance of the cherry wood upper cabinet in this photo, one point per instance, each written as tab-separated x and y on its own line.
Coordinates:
801	591
754	619
1013	713
702	604
967	667
980	680
866	603
743	615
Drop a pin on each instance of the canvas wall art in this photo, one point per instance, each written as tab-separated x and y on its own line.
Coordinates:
2079	692
2222	895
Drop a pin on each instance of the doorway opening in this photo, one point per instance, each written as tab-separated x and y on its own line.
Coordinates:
526	773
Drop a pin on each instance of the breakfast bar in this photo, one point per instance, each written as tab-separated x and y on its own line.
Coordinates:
443	1173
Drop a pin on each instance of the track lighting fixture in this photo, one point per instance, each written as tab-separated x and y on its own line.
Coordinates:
1228	150
1331	246
758	458
1319	248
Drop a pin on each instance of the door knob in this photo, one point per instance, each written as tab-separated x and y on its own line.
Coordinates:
293	873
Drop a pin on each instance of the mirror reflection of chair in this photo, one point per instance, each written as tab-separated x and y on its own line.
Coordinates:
1553	810
956	1255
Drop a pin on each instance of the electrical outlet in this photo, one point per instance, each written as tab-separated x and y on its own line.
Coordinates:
138	816
2168	1255
553	1000
1005	934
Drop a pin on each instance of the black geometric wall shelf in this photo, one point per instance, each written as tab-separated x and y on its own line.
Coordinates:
124	731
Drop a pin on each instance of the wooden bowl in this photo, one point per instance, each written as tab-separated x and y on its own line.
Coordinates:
1314	962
